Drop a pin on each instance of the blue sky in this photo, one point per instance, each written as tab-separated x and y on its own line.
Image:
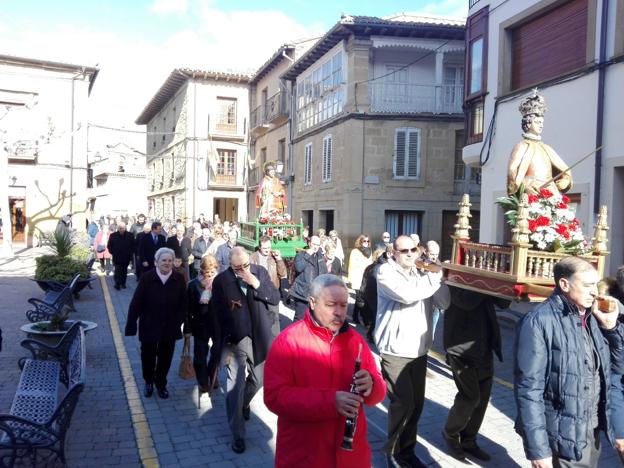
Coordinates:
136	43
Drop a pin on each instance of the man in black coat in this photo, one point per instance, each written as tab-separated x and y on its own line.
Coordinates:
138	267
471	333
121	247
150	243
241	296
181	245
159	303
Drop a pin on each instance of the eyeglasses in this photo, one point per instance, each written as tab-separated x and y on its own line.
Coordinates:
240	267
406	251
386	237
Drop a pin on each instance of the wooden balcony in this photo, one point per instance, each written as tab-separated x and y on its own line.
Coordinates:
411	98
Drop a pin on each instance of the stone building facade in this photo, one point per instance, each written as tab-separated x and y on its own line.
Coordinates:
378	129
197	146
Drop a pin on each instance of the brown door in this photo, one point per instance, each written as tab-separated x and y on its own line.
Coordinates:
17	206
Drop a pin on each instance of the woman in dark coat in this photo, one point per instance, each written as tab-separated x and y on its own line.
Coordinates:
201	322
159	303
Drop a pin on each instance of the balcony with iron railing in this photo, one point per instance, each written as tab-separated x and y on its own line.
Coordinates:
274	111
411	98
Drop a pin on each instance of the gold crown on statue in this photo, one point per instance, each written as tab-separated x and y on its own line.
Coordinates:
266	165
533	105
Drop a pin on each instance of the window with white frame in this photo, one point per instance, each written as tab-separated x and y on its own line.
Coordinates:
226	116
406	163
307	165
320	94
327	158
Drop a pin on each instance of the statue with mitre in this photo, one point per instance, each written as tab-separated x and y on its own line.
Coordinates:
533	163
270	196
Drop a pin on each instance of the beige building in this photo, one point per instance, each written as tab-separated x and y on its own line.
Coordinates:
573	52
378	129
117	182
43	162
270	99
197	146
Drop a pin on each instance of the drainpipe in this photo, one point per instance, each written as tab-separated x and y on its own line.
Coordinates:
291	159
194	215
600	108
71	148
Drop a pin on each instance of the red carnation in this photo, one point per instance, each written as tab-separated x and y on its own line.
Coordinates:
545	193
562	230
562	206
533	198
543	221
532	225
565	199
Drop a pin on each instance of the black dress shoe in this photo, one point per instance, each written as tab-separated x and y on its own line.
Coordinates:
477	452
148	391
123	286
246	413
238	446
455	448
117	287
414	461
163	393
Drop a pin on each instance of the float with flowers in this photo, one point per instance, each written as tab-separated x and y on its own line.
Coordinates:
285	236
544	231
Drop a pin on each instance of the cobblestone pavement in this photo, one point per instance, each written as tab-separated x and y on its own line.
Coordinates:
115	425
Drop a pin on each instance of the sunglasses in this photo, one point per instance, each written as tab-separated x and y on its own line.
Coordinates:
365	240
406	251
241	267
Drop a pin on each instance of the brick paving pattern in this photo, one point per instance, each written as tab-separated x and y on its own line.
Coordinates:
102	433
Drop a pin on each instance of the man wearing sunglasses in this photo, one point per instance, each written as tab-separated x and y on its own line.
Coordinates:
406	297
241	295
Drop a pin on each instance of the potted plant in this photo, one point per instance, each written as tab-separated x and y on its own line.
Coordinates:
52	331
55	271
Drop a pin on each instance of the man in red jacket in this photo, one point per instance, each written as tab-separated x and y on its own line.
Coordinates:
307	378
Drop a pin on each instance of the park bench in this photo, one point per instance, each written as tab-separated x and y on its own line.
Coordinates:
34	430
53	303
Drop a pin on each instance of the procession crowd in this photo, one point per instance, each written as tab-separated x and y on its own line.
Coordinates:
319	372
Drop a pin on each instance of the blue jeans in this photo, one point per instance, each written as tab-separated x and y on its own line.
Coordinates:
435	316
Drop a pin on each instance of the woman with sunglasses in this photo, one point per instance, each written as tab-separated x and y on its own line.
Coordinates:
359	259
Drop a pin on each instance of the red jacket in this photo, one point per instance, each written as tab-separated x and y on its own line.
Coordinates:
303	371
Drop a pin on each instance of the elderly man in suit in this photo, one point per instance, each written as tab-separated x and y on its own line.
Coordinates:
242	294
150	243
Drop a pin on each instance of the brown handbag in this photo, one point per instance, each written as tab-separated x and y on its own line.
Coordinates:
186	370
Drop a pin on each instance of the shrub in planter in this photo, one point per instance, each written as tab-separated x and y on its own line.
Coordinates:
62	269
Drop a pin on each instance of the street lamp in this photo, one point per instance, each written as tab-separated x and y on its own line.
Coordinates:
279	167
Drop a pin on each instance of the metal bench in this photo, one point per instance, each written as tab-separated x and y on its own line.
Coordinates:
54	302
34	430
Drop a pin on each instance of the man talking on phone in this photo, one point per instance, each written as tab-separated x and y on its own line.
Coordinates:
241	296
566	351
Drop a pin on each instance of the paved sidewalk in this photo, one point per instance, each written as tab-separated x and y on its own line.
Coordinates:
178	434
101	432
